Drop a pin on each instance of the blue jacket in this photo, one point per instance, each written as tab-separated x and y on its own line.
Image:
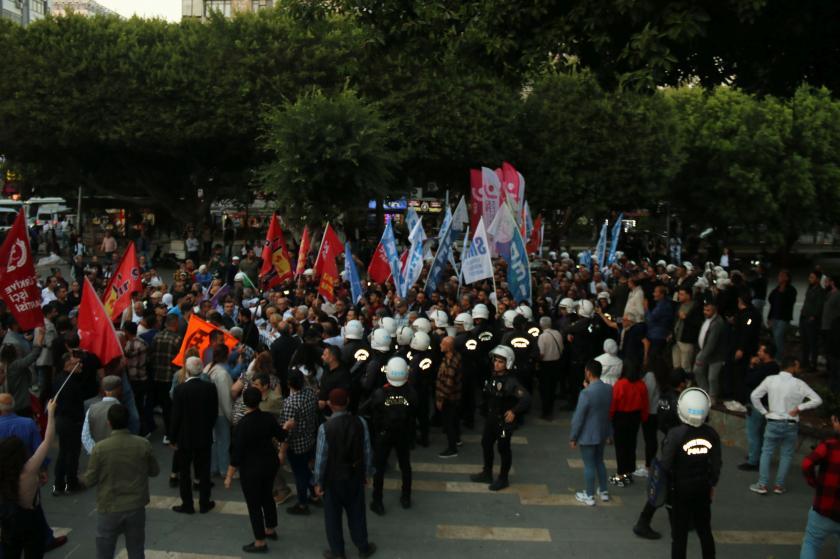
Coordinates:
659	320
591	422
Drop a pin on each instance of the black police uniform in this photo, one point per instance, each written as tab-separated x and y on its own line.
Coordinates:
581	351
691	458
501	394
467	347
526	351
354	357
393	409
374	372
485	336
421	377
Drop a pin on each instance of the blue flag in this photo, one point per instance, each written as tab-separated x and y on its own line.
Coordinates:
411	219
442	256
389	244
601	249
518	269
585	259
616	232
352	274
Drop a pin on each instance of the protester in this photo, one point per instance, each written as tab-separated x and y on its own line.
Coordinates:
822	472
629	409
590	431
121	466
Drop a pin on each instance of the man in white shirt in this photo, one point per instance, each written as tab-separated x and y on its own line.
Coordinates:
96	427
787	397
550	344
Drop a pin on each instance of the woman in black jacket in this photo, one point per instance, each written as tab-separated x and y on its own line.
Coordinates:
254	454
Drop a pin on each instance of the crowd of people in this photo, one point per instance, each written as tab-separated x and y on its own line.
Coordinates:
333	387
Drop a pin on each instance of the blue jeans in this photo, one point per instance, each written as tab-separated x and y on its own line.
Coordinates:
782	435
818	529
778	329
593	463
220	455
755	426
303	475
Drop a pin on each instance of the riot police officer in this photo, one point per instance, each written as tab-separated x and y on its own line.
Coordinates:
354	356
404	336
525	349
579	335
393	408
691	462
380	343
506	399
532	328
422	378
467	346
484	334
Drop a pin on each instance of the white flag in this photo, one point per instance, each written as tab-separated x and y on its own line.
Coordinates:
477	265
492	188
501	230
461	217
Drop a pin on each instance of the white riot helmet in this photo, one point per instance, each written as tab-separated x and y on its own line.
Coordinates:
389	324
380	340
420	342
354	330
508	318
240	276
440	318
466	320
421	325
404	335
525	311
567	303
507	353
693	406
586	308
481	311
396	371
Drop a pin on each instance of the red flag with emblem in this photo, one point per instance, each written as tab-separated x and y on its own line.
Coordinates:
277	264
329	277
331	247
303	251
125	281
476	198
18	282
96	331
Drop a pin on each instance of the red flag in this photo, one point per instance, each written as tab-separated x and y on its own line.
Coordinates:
18	282
303	251
535	241
331	247
198	335
379	269
510	183
277	264
96	331
125	281
329	275
476	198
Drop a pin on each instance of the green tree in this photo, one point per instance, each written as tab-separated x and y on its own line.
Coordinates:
331	154
585	151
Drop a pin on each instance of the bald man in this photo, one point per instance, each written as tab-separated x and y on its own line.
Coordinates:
24	428
448	395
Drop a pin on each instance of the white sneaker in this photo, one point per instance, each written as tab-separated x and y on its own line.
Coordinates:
605	496
641	472
585	498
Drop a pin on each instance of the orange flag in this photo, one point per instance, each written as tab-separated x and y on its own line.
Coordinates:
303	251
96	331
277	264
125	281
198	335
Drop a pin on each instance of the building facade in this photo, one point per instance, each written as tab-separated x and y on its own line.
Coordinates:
83	7
24	12
202	9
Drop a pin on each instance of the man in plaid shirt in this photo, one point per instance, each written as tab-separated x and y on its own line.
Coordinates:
165	346
824	516
135	351
301	406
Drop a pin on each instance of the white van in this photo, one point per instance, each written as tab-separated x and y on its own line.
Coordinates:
42	211
8	212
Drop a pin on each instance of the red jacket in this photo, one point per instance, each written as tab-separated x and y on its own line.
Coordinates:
629	397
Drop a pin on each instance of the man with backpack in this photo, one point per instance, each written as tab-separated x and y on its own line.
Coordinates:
343	463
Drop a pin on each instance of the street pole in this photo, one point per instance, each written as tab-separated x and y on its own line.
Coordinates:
79	212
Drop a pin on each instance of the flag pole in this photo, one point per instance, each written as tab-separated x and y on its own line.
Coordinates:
65	380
